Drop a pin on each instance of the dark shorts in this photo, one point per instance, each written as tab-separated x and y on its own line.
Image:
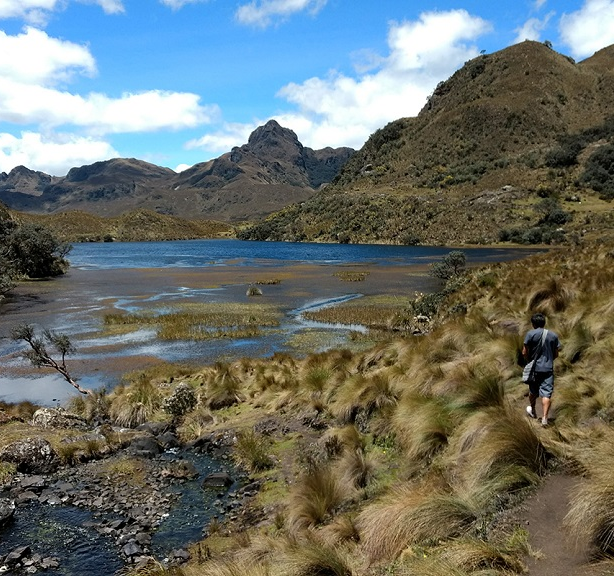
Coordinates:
543	385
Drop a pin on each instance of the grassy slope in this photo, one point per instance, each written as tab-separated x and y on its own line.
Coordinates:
138	225
473	162
399	460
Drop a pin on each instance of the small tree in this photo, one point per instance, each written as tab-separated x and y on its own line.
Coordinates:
41	358
452	264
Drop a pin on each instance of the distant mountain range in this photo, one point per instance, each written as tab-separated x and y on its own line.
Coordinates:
269	172
516	145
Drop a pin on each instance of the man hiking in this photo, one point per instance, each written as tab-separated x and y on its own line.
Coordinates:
543	347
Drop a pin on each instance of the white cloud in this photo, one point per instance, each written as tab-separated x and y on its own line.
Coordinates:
109	6
344	110
35	62
177	4
588	29
262	13
143	112
532	29
35	58
223	140
51	154
37	11
339	110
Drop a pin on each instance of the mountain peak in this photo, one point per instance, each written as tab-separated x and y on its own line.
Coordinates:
274	136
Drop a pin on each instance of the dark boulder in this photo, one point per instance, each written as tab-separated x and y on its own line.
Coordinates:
145	446
7	509
217	480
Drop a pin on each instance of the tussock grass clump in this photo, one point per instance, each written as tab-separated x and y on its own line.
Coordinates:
501	446
312	557
223	387
554	297
314	496
422	425
7	471
228	567
473	554
591	515
410	515
252	451
136	403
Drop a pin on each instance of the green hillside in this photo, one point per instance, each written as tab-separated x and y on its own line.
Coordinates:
504	133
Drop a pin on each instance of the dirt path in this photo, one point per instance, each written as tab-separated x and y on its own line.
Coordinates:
559	552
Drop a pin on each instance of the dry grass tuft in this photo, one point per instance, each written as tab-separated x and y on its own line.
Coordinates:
501	446
554	297
312	499
412	515
591	516
136	403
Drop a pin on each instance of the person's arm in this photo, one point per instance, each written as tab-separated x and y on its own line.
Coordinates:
525	352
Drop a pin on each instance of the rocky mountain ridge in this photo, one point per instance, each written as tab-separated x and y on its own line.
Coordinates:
272	170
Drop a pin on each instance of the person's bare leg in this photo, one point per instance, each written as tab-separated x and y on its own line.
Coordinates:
545	408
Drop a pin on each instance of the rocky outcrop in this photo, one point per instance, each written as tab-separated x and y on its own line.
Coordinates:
31	455
58	418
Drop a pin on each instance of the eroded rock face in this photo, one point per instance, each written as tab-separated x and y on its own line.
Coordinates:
58	418
31	456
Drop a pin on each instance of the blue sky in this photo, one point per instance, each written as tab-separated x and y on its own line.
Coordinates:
176	82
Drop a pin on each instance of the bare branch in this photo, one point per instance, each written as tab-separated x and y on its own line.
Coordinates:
41	358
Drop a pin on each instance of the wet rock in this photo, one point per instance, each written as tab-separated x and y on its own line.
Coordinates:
153	428
181	469
132	549
145	446
16	556
31	455
169	440
7	509
179	556
58	418
217	480
35	482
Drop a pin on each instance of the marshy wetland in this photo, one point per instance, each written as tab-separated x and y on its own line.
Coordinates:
127	306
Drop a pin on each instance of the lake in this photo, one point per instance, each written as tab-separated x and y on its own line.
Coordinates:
154	277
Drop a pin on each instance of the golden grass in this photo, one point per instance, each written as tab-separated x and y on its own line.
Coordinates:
500	446
411	514
251	451
591	515
135	404
313	498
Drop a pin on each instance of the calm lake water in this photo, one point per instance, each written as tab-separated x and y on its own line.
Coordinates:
154	277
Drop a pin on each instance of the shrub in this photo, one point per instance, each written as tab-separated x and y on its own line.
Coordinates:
453	264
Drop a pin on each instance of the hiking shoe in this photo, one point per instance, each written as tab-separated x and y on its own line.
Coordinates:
530	412
544	421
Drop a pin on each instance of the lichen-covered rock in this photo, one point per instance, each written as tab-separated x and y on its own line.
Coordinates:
31	456
58	418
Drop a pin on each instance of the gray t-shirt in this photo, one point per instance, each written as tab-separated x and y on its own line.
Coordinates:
548	353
